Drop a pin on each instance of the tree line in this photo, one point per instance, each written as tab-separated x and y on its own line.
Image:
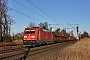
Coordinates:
45	26
5	21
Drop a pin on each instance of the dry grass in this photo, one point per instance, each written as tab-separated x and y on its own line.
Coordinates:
78	51
20	42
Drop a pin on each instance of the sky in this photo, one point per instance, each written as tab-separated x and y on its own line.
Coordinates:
61	12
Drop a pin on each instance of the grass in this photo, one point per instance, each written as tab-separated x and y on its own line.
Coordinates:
20	42
78	51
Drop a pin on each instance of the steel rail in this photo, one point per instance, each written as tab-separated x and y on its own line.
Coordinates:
8	44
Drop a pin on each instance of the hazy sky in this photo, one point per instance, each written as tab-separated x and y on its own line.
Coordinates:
52	11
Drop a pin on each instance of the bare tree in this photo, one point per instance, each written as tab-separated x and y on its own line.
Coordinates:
41	25
63	31
44	25
0	20
85	34
57	30
32	24
18	36
5	21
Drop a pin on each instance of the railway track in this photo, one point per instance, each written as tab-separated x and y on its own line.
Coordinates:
21	53
13	52
38	50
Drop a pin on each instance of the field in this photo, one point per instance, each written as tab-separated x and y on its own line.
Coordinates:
78	51
20	42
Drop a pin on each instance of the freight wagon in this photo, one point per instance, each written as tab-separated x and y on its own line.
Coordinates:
58	37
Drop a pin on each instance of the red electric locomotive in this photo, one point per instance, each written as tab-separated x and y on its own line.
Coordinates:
35	36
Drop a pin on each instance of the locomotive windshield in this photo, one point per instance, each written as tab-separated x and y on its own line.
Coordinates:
29	32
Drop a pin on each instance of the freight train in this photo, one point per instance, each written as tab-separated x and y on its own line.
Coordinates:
36	36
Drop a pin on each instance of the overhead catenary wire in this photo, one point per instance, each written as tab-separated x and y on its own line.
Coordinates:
44	6
54	11
36	12
25	14
30	2
44	12
30	9
50	11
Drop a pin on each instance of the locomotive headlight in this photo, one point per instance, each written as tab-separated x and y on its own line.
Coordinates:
33	36
25	36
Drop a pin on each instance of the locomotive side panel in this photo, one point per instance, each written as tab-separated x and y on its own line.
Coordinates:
41	35
50	36
45	36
